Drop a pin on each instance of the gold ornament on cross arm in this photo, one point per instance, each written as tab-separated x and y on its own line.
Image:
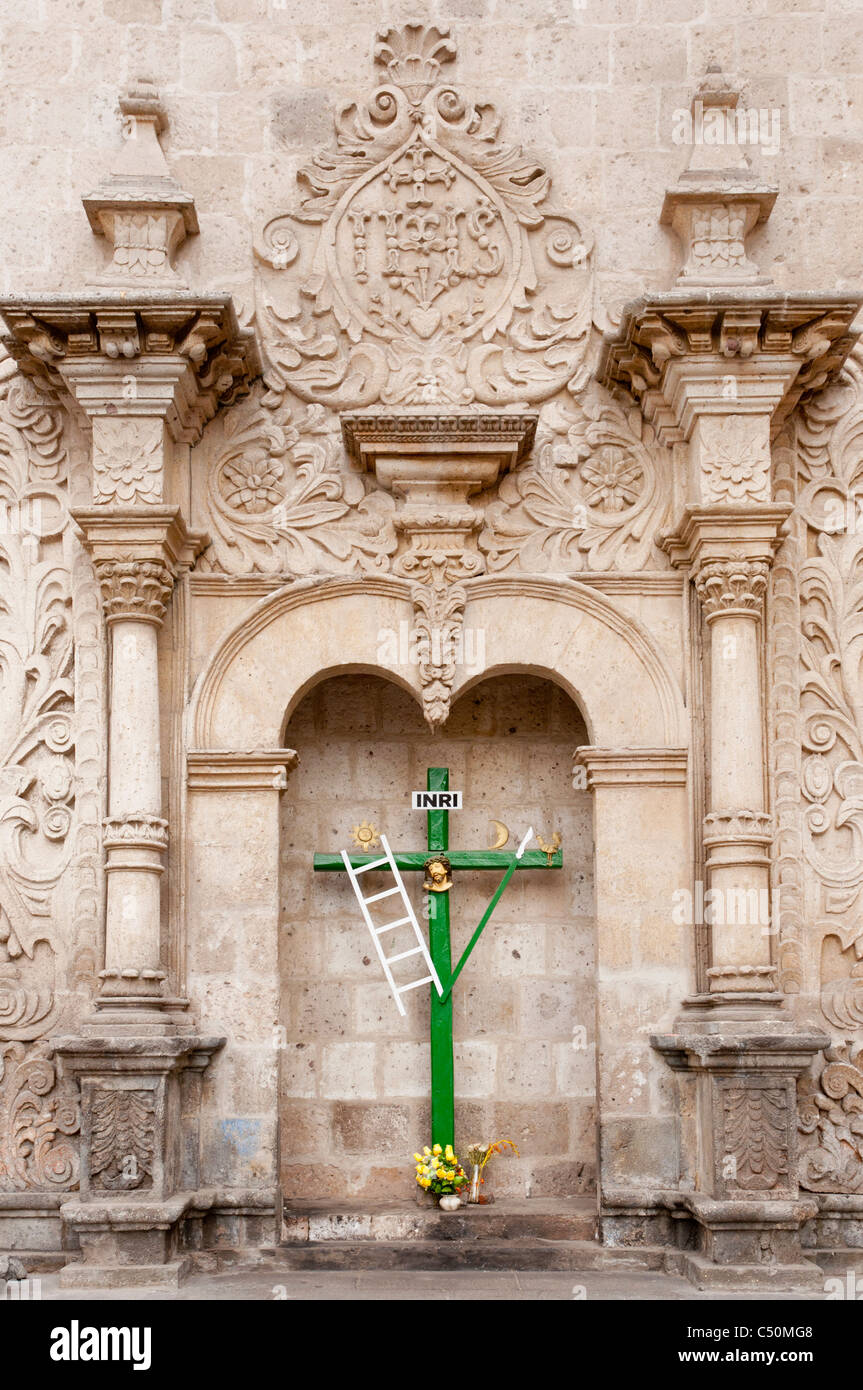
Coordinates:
365	835
549	849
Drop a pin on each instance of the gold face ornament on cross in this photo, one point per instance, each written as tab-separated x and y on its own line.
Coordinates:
437	863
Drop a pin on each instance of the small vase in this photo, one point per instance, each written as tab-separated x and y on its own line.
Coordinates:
450	1201
475	1178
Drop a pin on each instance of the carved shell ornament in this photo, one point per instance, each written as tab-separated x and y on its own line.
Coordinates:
423	265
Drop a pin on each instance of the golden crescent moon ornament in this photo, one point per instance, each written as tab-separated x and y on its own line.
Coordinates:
501	834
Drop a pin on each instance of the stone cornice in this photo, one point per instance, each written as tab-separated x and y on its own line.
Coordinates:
640	767
438	435
179	356
775	347
215	770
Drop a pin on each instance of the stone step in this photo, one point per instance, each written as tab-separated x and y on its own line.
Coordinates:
514	1254
328	1223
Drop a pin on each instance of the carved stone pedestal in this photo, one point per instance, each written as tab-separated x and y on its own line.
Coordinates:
140	1101
739	1139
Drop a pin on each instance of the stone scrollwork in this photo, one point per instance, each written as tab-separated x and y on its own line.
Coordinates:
279	500
830	1111
594	500
829	439
37	791
423	265
39	1116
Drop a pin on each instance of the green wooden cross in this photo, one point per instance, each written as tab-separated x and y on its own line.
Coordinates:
414	861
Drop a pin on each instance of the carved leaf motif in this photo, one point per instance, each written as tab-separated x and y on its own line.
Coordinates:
830	467
38	1117
756	1135
280	503
122	1139
36	694
830	1116
594	500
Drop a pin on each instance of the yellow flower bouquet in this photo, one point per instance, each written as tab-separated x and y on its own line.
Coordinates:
438	1170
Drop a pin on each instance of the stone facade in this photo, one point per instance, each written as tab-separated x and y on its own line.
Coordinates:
380	390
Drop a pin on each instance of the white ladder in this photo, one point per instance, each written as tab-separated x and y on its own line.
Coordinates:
389	863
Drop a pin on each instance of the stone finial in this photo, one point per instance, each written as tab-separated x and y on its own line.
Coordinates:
140	208
718	200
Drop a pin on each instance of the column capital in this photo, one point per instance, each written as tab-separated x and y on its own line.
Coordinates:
137	554
731	588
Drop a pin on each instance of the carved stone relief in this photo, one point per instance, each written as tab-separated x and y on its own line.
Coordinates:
831	1123
829	440
594	499
425	265
40	827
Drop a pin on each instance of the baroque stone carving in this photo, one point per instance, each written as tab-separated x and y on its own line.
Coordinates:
137	589
735	460
127	462
755	1120
140	208
830	1116
122	1139
731	586
131	832
730	827
36	703
438	275
595	498
783	639
831	602
39	1114
279	501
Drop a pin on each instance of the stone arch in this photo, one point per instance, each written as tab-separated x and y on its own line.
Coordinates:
558	628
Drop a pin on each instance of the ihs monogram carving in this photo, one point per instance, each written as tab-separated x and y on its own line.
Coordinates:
437	274
594	499
830	461
735	462
122	1139
755	1121
830	1119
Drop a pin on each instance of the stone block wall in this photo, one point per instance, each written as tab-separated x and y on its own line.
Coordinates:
596	86
354	1074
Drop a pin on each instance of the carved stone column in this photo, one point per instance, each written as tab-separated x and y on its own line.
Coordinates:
136	554
147	364
728	551
716	365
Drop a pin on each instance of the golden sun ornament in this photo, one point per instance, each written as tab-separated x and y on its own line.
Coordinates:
365	835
